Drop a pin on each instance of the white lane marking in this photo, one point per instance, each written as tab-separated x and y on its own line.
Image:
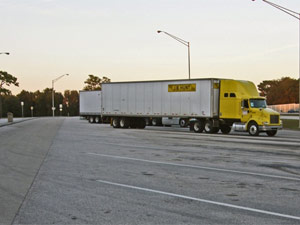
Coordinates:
201	200
198	167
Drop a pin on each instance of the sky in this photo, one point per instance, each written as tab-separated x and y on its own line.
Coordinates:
236	39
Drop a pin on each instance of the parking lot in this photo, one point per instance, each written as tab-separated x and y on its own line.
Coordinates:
67	171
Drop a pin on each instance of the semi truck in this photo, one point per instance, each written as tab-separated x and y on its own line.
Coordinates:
207	105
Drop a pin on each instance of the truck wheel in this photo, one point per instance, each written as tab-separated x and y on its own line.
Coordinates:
97	119
155	122
208	127
253	129
91	119
183	122
225	129
116	123
271	133
198	127
141	123
215	130
124	123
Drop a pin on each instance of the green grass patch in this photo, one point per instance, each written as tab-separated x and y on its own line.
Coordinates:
291	124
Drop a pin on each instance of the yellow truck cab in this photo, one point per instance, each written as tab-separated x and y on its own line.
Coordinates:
243	109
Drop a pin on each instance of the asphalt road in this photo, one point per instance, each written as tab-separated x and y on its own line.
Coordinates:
67	171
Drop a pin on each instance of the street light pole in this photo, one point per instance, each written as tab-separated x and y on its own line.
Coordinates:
297	16
22	106
186	43
53	81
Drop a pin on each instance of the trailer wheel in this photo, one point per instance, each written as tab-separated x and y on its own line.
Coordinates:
208	127
141	123
97	119
183	122
91	119
116	123
253	129
271	133
124	122
198	126
225	129
156	122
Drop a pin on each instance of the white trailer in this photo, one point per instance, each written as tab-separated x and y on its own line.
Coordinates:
132	103
90	105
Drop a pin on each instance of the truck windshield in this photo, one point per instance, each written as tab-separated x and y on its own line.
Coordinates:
258	103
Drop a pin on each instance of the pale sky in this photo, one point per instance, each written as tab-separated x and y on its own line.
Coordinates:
238	39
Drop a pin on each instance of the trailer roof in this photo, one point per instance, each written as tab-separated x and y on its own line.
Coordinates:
150	81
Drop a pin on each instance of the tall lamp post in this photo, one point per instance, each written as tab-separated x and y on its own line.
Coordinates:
22	106
297	16
186	43
53	81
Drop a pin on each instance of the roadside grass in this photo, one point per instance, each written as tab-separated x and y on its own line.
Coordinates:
290	124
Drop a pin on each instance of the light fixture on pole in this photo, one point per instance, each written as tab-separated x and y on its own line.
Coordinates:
31	108
6	53
22	105
297	16
186	43
53	81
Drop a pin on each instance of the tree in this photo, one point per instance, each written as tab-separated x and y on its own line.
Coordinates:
71	103
6	79
281	91
29	100
95	83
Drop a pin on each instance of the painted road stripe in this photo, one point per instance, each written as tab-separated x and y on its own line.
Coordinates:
201	200
199	167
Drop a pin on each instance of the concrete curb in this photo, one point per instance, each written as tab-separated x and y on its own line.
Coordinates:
20	121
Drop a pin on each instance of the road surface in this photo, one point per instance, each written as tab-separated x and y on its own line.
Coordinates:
67	171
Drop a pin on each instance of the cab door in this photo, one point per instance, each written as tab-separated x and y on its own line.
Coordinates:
245	110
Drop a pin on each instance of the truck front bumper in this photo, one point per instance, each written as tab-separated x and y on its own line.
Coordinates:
266	128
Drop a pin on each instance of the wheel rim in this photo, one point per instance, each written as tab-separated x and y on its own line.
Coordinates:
196	127
115	122
154	122
253	129
207	127
182	123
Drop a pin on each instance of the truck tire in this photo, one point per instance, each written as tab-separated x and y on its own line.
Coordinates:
116	123
198	126
141	123
253	129
124	122
271	133
91	119
183	122
97	119
208	127
225	129
156	122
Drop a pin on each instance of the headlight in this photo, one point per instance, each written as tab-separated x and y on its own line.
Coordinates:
265	123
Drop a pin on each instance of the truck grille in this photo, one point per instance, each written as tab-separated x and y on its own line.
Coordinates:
274	119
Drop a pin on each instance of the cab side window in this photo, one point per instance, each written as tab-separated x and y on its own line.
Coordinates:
245	104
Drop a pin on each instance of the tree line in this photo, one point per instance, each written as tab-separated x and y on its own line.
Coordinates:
39	103
280	91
